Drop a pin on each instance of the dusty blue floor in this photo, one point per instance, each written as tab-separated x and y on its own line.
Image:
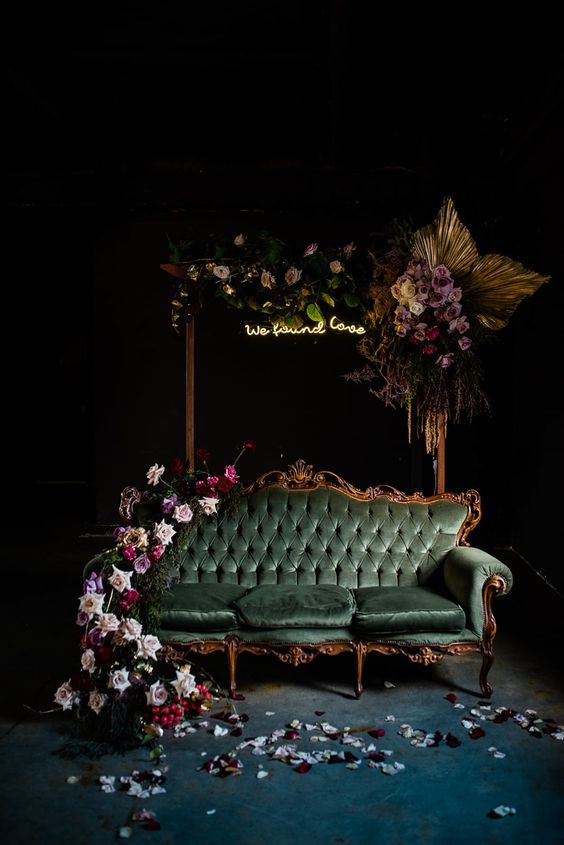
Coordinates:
443	795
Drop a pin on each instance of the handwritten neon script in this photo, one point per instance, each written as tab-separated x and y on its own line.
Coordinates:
320	328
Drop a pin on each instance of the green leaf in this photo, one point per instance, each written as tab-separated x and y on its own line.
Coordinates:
334	282
351	299
294	322
314	313
328	299
253	304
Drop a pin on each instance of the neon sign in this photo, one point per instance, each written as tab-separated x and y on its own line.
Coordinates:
334	325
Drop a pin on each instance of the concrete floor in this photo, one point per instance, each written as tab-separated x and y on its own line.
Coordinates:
443	795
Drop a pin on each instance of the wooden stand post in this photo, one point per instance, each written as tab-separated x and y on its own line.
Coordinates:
441	456
190	433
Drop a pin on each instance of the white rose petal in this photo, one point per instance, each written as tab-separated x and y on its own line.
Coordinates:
91	603
209	505
183	513
336	267
154	474
148	646
66	696
222	272
88	660
157	694
164	532
119	680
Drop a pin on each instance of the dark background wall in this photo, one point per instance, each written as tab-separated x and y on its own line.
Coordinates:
319	121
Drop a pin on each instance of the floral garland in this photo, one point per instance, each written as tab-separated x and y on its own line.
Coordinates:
123	690
264	275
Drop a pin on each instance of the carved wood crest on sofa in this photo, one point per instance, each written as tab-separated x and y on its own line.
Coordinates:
310	565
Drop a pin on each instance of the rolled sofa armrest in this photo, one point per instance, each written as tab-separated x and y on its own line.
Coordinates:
94	565
466	572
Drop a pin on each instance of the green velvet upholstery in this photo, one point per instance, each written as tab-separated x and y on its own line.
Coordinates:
322	536
296	606
313	636
201	607
465	572
412	610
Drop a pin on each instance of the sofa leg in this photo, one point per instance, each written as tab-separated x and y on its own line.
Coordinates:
360	650
232	650
487	660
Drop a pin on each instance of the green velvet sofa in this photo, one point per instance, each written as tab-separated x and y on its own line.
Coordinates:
311	565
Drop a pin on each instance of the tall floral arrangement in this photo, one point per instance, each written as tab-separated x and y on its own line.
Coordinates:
125	685
433	302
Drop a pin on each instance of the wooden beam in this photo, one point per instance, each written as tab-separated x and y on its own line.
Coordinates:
441	456
190	397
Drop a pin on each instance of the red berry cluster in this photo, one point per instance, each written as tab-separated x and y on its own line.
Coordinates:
178	709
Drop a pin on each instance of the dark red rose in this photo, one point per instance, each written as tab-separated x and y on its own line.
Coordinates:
429	349
223	485
202	455
128	599
412	339
432	333
249	445
177	466
103	654
81	682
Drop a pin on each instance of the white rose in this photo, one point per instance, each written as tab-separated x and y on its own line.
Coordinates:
107	622
292	275
156	694
148	646
336	267
209	505
119	679
222	272
66	696
239	240
183	513
267	280
154	474
120	580
91	603
407	290
88	660
130	629
416	307
96	700
184	684
164	532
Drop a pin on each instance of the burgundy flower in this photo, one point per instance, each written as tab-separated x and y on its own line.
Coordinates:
224	484
156	552
129	552
249	445
128	599
202	455
103	654
177	466
429	349
81	682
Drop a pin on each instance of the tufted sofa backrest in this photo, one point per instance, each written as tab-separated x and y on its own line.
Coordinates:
323	536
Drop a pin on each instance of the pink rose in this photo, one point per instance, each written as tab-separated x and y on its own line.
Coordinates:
459	325
231	473
452	312
156	552
455	295
129	552
183	513
420	332
310	250
445	360
464	343
292	275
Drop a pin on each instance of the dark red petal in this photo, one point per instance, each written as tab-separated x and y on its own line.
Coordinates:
350	758
319	712
452	741
377	733
476	732
151	824
336	758
238	696
377	756
243	717
291	735
451	697
303	768
237	732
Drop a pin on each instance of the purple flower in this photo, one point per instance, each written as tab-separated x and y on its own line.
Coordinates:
168	504
453	311
459	325
416	268
96	636
141	564
464	343
82	618
445	360
402	313
94	584
118	532
436	299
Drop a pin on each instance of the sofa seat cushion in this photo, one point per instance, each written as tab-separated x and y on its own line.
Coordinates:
296	606
201	607
405	610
